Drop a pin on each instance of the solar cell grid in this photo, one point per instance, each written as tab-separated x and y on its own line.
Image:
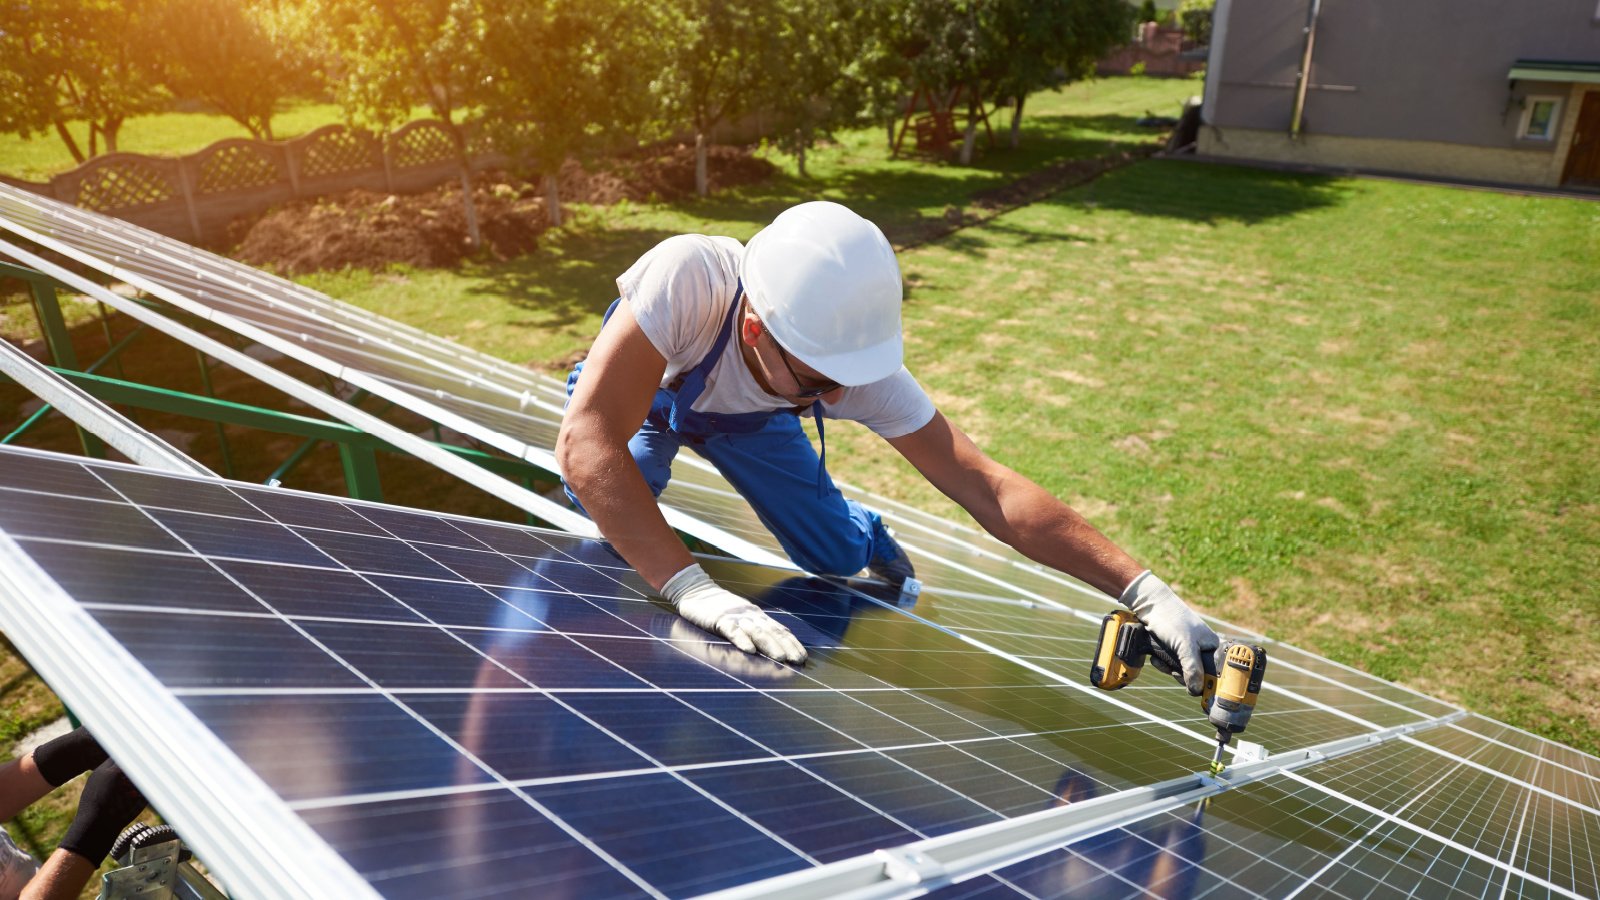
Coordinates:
1276	838
320	696
1550	838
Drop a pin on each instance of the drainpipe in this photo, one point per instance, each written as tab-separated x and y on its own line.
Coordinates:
1303	79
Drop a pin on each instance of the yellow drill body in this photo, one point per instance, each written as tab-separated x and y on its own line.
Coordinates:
1232	680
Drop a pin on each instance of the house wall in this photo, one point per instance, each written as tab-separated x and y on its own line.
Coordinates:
1514	165
1386	73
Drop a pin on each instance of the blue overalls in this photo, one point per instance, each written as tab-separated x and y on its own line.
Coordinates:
767	458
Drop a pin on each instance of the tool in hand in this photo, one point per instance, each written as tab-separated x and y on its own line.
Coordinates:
1232	679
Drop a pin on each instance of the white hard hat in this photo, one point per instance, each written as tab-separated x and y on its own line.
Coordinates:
825	283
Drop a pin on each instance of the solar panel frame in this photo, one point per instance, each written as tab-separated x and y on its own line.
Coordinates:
95	417
795	745
512	493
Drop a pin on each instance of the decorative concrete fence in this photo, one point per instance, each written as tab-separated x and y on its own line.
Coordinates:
194	197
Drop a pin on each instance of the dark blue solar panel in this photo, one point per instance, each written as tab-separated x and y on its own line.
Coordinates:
467	655
471	709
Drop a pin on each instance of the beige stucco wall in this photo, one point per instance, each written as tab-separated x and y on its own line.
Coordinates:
1526	163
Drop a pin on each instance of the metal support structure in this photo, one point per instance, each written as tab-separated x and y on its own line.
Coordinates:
125	393
361	478
222	433
94	416
925	865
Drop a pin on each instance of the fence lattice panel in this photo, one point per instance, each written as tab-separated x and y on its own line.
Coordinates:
236	167
420	144
335	151
123	185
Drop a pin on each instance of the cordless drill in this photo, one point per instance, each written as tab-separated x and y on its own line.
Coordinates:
1232	678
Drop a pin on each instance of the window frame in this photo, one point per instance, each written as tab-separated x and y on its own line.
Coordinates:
1528	104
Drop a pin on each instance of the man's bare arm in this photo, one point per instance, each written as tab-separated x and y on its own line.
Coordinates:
1012	508
592	448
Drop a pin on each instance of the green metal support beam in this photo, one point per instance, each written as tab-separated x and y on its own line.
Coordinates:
126	393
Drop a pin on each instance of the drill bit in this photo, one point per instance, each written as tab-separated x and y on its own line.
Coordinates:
1216	761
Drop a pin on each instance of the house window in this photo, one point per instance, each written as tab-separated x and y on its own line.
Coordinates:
1540	115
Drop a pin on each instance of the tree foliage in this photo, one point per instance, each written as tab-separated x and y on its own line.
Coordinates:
561	81
243	57
67	60
385	56
1196	18
828	68
711	56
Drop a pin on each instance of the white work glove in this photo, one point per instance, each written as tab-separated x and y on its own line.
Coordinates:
1172	622
699	600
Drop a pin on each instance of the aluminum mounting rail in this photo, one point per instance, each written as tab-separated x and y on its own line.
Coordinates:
922	866
515	494
95	417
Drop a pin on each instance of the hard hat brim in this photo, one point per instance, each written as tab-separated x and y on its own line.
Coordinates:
858	367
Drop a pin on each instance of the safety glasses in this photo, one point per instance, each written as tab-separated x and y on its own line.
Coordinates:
806	392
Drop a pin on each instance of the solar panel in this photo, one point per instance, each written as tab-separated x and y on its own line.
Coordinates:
461	708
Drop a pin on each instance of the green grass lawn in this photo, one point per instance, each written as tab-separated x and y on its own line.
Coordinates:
163	134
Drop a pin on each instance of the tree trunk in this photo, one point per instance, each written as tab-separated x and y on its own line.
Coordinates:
702	180
69	140
552	200
110	130
1016	123
94	140
893	121
969	140
800	153
474	238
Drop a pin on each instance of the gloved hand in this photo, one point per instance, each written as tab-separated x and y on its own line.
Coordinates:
1172	622
699	600
109	803
64	758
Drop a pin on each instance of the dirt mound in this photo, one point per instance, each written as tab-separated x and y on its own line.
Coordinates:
370	230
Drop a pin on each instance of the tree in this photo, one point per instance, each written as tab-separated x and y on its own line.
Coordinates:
233	55
562	77
945	47
70	60
712	59
827	69
391	54
1147	11
1041	44
1196	17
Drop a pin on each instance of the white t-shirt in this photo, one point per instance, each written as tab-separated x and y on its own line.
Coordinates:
680	292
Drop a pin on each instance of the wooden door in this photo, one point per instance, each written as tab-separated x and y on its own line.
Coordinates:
1583	158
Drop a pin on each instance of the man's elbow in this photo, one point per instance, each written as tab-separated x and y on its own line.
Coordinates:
570	455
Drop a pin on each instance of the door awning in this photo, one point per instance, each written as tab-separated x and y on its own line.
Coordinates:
1565	70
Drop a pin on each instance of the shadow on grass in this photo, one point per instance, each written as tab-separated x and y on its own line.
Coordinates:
571	277
1209	194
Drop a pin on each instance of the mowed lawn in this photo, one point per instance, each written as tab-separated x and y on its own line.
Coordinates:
1361	416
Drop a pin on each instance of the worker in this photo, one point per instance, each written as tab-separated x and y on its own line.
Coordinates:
109	804
723	347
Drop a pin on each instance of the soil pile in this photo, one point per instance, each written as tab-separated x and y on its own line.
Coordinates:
370	230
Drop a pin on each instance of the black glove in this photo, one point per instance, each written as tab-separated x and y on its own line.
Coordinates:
110	802
67	757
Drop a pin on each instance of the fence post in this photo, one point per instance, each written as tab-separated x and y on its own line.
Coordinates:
185	185
291	163
388	163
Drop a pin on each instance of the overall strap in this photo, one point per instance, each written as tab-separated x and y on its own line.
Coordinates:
694	383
